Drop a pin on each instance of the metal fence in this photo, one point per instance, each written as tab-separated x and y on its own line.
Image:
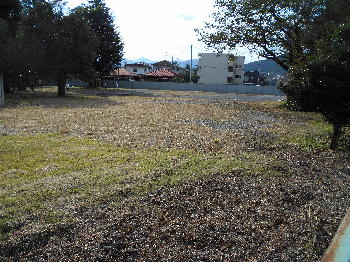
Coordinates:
219	88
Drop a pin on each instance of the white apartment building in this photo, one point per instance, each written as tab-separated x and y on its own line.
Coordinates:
214	68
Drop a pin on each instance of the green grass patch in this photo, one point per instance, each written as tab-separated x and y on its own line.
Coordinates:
43	176
314	134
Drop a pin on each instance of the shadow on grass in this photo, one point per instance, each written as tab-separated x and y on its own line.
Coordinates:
74	98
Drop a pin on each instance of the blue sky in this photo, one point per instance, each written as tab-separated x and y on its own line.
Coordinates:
161	29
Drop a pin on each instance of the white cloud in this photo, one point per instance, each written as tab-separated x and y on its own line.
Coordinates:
159	29
186	17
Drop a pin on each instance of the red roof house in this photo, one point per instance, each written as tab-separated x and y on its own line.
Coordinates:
161	75
123	74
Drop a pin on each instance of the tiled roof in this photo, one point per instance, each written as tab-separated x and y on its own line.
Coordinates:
123	72
162	73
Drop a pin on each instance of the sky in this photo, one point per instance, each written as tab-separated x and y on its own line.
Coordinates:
162	29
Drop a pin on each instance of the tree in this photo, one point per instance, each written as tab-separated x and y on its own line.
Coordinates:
272	28
309	38
63	44
194	76
322	82
73	50
109	52
9	18
36	34
10	11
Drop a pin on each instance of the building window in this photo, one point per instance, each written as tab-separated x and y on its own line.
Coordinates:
229	80
238	76
231	58
230	68
134	70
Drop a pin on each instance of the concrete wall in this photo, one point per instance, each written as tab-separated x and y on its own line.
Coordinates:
220	88
77	82
2	92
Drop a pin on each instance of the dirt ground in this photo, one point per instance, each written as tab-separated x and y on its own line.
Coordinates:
285	204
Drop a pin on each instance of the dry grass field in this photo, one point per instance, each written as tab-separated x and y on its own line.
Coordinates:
120	175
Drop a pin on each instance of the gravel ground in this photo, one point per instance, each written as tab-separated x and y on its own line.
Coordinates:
233	216
192	96
144	118
223	217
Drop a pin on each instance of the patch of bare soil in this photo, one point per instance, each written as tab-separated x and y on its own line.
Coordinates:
171	122
223	217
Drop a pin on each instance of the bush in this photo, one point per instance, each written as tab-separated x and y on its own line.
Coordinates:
322	82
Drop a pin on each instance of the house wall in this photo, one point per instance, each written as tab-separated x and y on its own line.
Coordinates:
140	70
220	69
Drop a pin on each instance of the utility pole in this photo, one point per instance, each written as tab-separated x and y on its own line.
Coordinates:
191	67
259	73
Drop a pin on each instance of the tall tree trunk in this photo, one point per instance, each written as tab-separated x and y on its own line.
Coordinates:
337	129
2	91
61	84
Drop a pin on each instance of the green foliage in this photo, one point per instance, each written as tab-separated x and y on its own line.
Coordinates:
194	77
322	82
274	29
178	80
10	11
53	42
110	49
9	18
64	44
310	38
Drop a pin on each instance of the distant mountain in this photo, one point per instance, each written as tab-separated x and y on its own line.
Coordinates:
139	60
265	66
181	63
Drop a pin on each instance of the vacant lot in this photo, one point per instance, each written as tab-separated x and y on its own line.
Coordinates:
121	175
